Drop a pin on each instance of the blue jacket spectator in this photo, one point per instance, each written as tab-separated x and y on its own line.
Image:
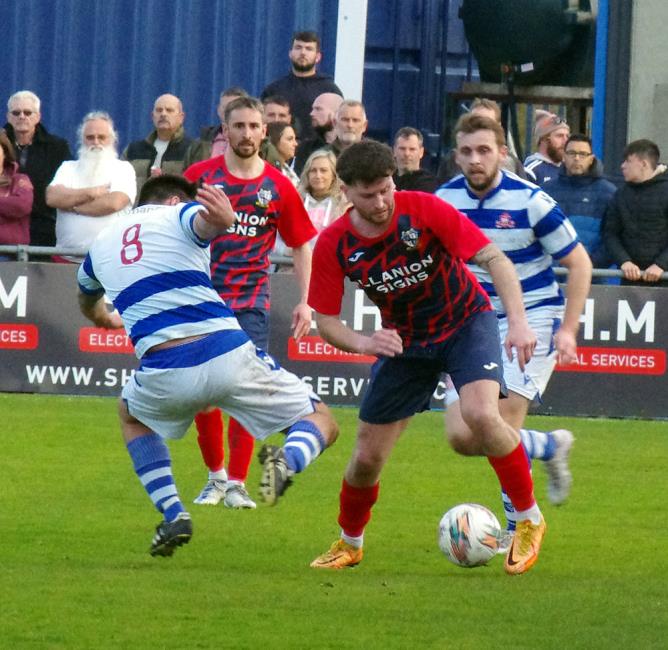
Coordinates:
584	195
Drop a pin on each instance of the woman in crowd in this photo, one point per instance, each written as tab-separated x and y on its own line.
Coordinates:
284	139
321	189
16	195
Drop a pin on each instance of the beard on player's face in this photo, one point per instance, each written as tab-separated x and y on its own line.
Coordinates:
480	179
245	148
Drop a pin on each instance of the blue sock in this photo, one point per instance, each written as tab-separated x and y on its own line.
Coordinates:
526	436
509	511
150	457
538	444
303	444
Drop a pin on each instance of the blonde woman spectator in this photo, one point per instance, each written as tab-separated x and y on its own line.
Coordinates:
321	189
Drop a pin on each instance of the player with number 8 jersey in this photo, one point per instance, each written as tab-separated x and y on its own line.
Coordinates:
154	266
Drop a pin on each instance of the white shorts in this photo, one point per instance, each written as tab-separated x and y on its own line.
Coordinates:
532	382
245	382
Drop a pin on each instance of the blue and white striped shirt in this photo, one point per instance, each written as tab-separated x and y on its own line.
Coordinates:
159	296
527	225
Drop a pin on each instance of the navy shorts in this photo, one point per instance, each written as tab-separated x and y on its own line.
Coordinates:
255	322
402	386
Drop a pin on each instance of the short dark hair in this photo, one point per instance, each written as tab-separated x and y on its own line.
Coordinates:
244	102
275	131
407	132
158	189
645	149
578	137
365	162
277	99
307	36
469	123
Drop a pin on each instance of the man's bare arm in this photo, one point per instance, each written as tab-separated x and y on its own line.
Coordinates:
578	283
95	309
507	285
66	198
383	342
104	205
218	214
301	314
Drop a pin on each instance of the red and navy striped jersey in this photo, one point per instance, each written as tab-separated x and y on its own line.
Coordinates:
264	205
415	272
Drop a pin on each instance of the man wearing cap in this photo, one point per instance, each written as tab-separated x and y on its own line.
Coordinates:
550	133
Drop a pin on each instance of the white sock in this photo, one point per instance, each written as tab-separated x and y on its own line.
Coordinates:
220	475
533	514
353	541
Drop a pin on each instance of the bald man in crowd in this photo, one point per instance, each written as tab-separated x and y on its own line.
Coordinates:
323	112
163	150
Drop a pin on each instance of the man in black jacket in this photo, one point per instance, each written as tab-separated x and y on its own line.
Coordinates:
303	83
164	149
636	227
39	155
408	151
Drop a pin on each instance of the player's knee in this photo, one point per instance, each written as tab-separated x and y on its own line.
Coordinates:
326	423
463	443
123	414
481	420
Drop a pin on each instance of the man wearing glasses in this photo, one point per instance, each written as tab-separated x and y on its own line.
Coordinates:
584	195
550	133
39	154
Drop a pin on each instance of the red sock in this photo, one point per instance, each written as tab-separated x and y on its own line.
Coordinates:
210	438
241	445
355	505
515	477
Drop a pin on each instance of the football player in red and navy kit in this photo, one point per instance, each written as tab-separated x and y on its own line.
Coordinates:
408	252
265	203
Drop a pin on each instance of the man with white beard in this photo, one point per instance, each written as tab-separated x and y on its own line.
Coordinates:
91	191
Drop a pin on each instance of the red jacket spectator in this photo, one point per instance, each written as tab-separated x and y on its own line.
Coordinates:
16	196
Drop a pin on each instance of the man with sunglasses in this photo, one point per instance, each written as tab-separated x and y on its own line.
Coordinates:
583	194
39	154
550	133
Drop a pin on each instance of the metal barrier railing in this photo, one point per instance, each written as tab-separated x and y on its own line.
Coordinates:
23	253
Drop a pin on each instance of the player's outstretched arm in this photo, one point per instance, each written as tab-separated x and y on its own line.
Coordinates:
578	283
95	309
383	342
520	335
218	214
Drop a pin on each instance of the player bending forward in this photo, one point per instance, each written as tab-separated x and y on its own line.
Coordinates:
154	266
533	231
408	251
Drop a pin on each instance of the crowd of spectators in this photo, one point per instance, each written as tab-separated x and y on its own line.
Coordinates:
48	199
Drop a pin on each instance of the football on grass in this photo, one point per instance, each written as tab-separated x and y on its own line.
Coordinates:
469	535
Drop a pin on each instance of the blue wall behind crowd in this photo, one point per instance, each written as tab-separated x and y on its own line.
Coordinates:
119	55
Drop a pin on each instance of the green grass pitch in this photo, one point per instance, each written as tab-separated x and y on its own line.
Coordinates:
76	527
